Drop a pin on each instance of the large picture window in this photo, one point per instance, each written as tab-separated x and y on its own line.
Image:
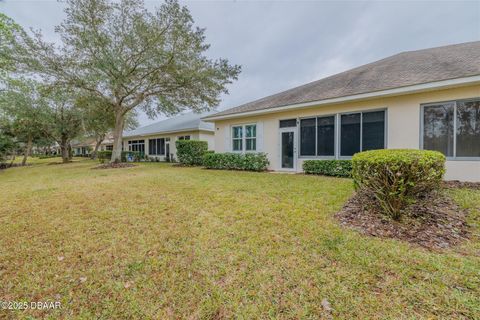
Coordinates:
362	131
156	146
453	128
244	138
136	145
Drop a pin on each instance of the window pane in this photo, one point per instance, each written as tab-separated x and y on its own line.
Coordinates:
373	130
438	128
187	137
237	145
288	123
468	129
326	136
350	134
237	132
161	146
251	144
307	137
251	131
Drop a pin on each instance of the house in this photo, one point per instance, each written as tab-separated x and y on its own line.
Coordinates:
84	147
425	99
158	139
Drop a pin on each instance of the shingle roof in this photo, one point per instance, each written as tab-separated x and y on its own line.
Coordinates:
184	122
400	70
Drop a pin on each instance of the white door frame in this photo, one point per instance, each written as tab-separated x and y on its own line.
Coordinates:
295	156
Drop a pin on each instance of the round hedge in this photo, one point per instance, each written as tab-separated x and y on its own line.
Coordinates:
397	177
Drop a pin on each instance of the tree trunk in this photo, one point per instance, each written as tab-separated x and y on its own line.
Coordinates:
13	160
117	137
97	146
28	150
64	147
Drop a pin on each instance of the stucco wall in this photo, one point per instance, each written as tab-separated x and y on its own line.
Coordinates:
403	126
194	135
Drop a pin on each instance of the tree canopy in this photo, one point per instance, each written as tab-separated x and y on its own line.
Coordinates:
130	58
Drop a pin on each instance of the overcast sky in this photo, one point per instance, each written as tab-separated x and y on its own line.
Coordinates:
283	44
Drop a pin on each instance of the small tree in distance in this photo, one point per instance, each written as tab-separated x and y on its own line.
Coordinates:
130	58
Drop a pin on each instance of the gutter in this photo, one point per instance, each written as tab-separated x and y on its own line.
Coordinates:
429	86
166	132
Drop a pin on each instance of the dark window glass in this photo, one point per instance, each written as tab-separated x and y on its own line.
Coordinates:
438	128
468	129
288	123
373	130
326	136
287	150
350	134
161	146
307	137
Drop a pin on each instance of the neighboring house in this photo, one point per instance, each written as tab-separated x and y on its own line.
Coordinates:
158	139
85	147
425	99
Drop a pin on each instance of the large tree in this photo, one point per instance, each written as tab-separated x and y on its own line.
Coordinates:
131	58
26	110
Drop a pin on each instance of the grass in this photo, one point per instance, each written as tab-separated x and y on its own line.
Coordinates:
158	242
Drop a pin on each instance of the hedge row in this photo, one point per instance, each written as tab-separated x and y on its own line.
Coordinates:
135	156
334	168
236	161
191	152
396	178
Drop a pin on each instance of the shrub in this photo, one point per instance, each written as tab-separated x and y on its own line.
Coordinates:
134	155
190	152
236	161
104	156
334	168
396	178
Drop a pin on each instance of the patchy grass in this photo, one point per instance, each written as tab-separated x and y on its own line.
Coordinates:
156	241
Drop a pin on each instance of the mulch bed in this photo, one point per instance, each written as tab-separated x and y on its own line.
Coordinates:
115	165
434	222
461	184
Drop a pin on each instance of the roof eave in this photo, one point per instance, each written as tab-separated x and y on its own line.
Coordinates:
423	87
168	132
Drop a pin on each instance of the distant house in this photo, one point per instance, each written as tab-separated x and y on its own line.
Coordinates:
157	140
84	147
425	99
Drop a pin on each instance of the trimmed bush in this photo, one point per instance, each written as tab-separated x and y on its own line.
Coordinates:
104	156
236	161
190	152
396	178
334	168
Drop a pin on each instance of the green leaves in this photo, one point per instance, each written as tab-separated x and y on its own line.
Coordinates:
236	161
335	168
191	152
395	178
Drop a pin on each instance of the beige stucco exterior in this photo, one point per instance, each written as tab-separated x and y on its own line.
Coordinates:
194	135
403	126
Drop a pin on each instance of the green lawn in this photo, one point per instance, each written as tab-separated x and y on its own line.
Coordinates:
157	241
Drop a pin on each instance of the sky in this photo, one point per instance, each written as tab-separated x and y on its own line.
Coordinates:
283	44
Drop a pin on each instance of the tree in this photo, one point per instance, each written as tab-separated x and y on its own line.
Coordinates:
130	59
25	108
8	143
9	33
98	120
65	118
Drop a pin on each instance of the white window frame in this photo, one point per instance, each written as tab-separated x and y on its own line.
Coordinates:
244	137
454	102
